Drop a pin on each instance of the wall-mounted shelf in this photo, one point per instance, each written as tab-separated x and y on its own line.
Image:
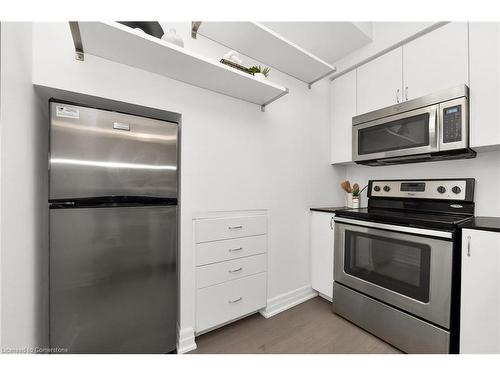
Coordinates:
262	44
119	43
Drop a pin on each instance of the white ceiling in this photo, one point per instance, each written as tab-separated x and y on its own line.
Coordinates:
330	41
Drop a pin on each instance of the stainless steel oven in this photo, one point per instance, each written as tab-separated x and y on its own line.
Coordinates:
408	268
433	127
397	262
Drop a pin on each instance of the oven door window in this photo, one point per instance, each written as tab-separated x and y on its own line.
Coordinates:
401	134
398	265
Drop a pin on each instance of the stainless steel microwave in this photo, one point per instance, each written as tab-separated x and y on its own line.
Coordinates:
433	127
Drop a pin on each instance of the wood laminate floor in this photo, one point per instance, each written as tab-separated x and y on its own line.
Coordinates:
310	327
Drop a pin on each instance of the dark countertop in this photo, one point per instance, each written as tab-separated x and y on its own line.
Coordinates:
483	223
328	209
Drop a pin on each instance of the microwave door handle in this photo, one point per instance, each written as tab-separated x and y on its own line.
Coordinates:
434	129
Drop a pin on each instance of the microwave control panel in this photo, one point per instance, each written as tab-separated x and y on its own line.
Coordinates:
449	189
452	124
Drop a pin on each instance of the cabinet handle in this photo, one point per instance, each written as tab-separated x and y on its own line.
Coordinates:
236	227
468	246
397	95
331	223
406	93
237	249
236	270
235	300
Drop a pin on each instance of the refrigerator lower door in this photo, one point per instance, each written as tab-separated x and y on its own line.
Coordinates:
113	279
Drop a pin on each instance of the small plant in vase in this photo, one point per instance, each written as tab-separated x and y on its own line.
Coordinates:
356	195
259	72
353	193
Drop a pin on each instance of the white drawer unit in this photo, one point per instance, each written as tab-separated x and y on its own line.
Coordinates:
231	227
218	251
228	301
231	267
226	271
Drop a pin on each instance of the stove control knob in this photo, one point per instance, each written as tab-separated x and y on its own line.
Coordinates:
441	190
376	188
387	189
456	189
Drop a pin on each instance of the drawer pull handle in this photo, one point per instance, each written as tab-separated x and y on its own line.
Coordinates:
236	227
235	300
236	270
237	249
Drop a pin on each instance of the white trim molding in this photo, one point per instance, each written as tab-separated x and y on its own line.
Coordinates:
325	297
288	300
185	340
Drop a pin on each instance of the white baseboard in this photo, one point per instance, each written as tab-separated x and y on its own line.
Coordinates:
325	297
287	300
185	340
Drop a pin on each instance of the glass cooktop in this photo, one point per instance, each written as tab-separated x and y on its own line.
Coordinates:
405	217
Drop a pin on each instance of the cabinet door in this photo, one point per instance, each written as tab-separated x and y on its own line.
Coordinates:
436	61
379	82
322	253
480	313
342	109
484	40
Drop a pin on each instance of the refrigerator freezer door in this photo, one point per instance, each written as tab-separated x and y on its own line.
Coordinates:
113	279
97	153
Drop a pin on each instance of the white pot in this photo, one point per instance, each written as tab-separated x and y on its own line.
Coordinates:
355	202
348	200
259	76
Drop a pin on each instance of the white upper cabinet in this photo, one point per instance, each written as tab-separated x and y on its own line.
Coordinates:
436	61
379	82
321	248
342	109
484	40
480	292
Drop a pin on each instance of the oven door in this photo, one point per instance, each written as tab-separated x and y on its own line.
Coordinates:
408	268
409	133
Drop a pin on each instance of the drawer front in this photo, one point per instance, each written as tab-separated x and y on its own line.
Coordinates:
221	303
218	251
225	228
233	269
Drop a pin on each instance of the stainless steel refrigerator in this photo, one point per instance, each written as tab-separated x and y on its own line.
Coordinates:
113	231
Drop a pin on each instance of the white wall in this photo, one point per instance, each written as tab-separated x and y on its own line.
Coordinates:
233	155
24	308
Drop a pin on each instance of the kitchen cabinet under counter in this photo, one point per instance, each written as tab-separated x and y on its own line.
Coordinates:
480	287
321	250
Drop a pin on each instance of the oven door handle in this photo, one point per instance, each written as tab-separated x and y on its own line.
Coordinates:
397	228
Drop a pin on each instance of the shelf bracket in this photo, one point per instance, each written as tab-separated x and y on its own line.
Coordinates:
309	85
79	55
263	106
77	40
195	25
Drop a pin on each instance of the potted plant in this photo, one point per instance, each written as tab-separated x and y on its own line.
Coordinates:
259	72
356	195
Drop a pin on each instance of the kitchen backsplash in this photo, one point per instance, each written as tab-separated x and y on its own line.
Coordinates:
485	168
